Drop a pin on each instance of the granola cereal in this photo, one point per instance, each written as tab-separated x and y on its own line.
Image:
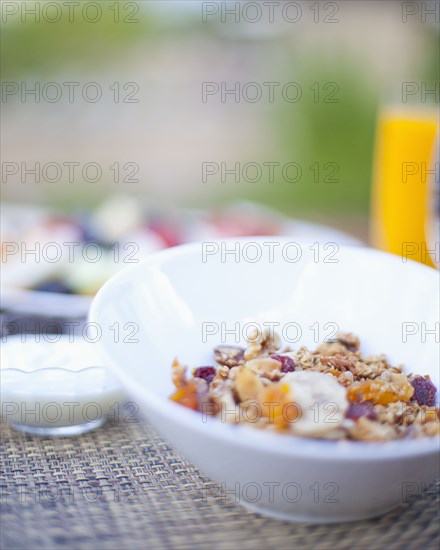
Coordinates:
333	392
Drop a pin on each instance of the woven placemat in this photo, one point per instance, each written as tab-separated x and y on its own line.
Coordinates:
122	486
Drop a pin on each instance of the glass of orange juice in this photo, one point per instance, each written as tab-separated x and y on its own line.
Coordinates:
405	198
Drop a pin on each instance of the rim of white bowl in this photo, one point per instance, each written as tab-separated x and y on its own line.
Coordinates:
246	436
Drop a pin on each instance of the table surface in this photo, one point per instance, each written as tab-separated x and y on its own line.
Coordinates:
122	486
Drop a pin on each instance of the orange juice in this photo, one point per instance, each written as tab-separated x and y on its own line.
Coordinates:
403	212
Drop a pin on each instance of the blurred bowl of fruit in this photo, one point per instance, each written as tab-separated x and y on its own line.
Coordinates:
54	252
53	262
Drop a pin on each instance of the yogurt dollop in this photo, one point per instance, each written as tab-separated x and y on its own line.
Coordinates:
321	400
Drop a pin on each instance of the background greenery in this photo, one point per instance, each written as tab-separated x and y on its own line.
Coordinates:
342	133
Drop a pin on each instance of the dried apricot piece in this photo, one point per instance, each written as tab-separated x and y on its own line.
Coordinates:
186	392
278	406
380	392
186	395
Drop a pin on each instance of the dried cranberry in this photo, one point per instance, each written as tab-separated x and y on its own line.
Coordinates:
424	391
207	373
364	408
287	363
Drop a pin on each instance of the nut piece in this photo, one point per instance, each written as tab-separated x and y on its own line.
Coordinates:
263	366
368	430
247	384
178	373
346	378
262	343
229	356
349	341
342	343
221	375
339	361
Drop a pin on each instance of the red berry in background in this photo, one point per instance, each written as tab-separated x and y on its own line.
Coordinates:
166	231
233	225
424	391
206	373
287	363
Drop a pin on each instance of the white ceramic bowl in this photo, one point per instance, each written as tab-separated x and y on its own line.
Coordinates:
166	305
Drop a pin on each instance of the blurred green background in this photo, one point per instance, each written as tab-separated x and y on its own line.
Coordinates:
170	132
